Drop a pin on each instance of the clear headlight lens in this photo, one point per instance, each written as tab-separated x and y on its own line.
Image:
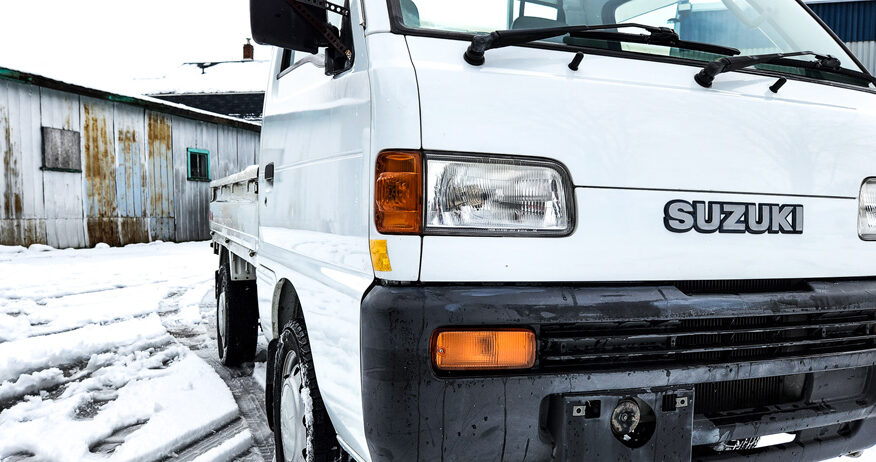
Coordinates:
495	195
867	211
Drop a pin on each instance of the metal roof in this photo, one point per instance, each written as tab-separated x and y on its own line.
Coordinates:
141	101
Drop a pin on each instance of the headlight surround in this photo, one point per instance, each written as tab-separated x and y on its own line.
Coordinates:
497	196
867	210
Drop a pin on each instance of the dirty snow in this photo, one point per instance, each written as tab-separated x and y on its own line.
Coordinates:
92	362
227	450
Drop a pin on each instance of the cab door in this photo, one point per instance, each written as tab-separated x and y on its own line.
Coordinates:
314	210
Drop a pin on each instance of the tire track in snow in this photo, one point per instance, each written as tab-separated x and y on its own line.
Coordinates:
246	391
214	440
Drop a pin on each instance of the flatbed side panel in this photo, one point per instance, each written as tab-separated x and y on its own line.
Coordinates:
234	210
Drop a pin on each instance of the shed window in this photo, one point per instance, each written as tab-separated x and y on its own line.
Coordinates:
199	164
61	150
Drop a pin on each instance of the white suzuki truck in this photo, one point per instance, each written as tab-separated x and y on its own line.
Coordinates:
534	230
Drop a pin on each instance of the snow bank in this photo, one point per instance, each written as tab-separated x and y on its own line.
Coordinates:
7	249
88	368
178	405
35	353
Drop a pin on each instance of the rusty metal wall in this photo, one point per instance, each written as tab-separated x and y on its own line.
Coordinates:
160	176
134	184
22	211
101	198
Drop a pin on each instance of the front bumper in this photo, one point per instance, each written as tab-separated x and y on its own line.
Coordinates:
412	413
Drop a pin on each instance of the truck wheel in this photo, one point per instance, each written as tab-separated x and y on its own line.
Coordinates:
302	429
236	318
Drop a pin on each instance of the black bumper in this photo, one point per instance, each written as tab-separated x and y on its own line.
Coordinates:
412	413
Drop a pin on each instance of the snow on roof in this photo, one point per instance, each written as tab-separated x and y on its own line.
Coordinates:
215	77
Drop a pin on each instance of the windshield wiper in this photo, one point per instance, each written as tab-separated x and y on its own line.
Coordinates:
822	62
663	36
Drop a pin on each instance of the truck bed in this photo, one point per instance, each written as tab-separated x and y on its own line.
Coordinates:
234	212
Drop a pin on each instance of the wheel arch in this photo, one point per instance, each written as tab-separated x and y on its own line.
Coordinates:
286	306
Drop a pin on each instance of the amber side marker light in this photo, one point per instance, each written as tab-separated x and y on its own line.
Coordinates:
398	192
471	350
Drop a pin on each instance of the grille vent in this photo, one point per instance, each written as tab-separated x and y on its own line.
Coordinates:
625	345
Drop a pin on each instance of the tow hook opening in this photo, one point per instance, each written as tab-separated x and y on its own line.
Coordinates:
633	422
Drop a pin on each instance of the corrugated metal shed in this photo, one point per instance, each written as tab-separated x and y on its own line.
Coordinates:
127	181
852	21
855	23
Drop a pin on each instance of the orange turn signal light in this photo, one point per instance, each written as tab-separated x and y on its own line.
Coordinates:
398	192
469	350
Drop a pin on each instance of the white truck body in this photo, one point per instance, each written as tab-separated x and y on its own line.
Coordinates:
633	131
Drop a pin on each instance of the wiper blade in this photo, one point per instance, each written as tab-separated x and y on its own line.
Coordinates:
663	36
822	62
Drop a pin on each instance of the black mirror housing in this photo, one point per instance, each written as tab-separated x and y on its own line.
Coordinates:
274	22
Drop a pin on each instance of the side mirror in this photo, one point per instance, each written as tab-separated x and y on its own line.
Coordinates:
274	22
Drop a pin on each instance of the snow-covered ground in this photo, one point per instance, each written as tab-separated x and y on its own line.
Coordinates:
104	355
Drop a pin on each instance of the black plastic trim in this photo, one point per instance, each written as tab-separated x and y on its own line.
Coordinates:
414	414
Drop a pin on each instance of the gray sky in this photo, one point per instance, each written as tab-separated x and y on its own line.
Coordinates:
107	43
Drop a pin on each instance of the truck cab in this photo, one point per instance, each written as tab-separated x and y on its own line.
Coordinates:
556	230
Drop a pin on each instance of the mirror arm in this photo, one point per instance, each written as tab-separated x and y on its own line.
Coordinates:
323	29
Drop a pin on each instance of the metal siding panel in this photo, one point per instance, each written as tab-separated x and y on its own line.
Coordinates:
100	172
65	223
161	186
64	203
131	174
10	182
247	147
866	52
852	21
30	141
191	205
59	109
226	153
22	209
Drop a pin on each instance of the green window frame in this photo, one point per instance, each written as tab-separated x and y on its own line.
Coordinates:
198	164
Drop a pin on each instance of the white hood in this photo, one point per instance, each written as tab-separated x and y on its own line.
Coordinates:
636	135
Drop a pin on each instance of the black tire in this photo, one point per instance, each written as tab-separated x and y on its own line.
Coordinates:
293	359
239	319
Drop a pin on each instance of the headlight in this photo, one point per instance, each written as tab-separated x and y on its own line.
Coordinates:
497	196
867	211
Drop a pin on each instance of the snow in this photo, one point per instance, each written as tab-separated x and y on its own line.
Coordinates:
259	374
229	449
225	77
90	364
41	352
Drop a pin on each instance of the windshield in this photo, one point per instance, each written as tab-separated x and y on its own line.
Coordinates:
752	26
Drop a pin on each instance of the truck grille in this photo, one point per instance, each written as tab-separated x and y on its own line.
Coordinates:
733	395
626	345
742	286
